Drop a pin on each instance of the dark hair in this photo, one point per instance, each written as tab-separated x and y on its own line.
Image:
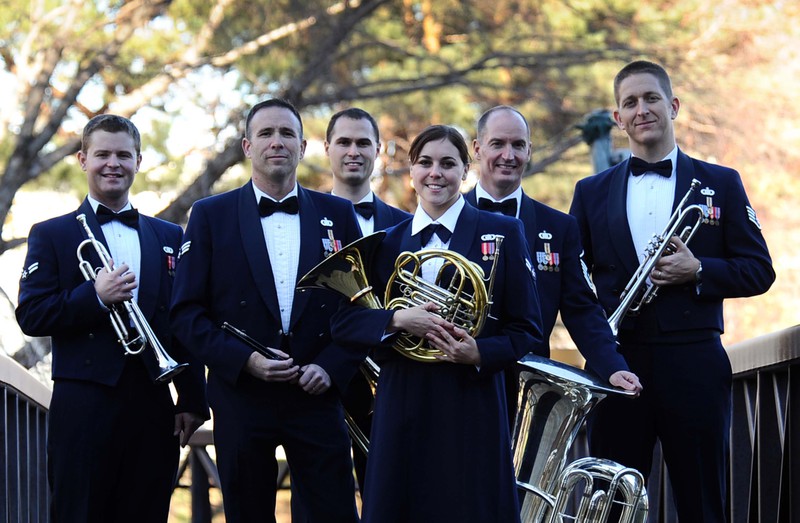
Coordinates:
272	102
643	67
435	133
354	113
111	123
484	119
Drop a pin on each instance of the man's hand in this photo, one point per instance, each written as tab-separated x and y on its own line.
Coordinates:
676	268
266	369
115	286
185	425
314	379
626	380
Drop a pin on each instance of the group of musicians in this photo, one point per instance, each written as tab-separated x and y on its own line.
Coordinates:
439	436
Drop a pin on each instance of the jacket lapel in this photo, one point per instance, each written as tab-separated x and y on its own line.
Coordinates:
151	258
255	248
310	246
619	231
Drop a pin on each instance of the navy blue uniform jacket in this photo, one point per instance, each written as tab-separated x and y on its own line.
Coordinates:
441	445
225	275
56	300
386	216
731	248
563	284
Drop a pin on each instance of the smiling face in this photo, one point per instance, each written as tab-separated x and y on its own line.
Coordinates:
111	162
437	174
352	150
645	113
502	149
275	146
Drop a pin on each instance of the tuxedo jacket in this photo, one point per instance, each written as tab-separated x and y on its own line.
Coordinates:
224	275
730	246
564	285
386	216
56	300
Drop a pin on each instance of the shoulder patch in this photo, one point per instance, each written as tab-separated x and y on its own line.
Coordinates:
29	270
751	215
184	248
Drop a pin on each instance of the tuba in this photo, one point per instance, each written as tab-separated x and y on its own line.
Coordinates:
640	291
132	345
554	399
462	294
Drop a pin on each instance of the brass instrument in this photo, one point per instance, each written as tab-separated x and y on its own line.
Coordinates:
464	300
640	290
145	336
554	399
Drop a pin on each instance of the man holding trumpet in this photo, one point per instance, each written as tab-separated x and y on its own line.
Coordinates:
114	430
673	344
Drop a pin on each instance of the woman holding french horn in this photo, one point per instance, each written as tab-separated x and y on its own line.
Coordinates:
460	306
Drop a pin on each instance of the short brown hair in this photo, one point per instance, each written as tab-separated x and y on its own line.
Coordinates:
643	67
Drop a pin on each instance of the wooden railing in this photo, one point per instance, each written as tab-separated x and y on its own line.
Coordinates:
23	464
763	472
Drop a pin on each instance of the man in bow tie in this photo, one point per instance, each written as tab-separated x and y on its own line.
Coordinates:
243	253
673	344
503	148
352	142
113	431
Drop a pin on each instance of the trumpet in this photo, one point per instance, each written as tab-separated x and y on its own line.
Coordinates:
145	336
640	291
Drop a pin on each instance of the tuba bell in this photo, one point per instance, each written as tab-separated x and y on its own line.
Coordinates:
462	294
554	399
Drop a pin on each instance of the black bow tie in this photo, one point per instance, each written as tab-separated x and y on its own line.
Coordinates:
438	229
639	167
507	207
268	207
129	217
365	209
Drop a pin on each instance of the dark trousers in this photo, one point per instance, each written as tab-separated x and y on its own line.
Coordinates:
686	404
112	455
247	430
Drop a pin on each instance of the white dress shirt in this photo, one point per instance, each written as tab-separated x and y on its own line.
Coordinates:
449	220
282	236
123	244
480	192
649	204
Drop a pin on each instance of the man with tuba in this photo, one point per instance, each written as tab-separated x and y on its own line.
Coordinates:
440	448
114	430
673	344
243	252
502	148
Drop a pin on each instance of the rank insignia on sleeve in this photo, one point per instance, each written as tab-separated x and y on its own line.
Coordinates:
29	270
184	249
751	215
530	268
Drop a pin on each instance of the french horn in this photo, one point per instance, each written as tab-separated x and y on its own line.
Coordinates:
461	293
